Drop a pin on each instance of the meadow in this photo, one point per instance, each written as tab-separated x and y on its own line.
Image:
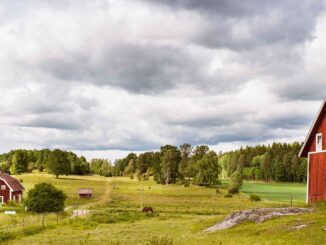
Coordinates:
180	215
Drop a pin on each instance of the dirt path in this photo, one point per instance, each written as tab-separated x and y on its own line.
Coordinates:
105	198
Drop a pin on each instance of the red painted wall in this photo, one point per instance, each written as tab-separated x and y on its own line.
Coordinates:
320	129
317	177
5	193
15	196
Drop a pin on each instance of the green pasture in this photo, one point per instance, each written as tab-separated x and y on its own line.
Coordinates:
181	214
281	192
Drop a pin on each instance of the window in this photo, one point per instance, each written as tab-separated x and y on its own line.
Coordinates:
3	187
1	199
319	142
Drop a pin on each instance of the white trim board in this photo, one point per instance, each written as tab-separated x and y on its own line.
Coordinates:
316	152
6	183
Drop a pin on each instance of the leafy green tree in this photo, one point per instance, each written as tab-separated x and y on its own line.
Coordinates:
44	198
169	164
185	151
225	162
235	182
58	163
208	169
19	162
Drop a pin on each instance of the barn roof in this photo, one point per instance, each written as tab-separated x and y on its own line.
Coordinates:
84	191
13	183
311	135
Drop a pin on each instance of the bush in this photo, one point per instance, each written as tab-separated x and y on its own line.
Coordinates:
233	190
255	197
228	195
21	180
45	197
217	190
235	183
187	183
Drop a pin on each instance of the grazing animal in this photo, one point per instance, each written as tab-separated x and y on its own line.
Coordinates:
148	210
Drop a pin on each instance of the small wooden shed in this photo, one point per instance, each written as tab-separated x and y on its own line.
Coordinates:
10	189
85	193
314	148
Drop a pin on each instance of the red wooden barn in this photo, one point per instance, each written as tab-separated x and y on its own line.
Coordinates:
10	189
314	148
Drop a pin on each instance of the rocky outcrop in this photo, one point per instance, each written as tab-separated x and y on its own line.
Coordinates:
255	215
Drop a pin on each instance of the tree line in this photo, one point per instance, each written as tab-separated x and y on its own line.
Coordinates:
276	162
56	162
171	164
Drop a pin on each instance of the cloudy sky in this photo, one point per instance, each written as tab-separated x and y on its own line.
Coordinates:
104	77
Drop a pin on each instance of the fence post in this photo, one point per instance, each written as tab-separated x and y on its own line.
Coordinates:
57	218
291	199
23	223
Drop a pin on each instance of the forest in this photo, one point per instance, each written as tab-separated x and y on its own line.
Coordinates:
171	164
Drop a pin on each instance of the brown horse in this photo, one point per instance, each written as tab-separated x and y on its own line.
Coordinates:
148	210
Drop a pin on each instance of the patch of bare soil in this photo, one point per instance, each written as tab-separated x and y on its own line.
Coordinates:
255	215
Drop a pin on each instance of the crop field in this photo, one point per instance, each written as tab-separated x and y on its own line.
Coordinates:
180	215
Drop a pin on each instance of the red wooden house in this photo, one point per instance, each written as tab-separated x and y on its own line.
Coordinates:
314	148
10	189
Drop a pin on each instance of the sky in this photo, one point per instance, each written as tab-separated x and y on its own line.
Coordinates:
106	77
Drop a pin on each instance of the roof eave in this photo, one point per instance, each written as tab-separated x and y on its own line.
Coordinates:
301	153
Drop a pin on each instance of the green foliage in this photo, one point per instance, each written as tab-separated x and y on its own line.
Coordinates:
255	197
208	169
4	166
186	183
102	167
44	198
235	183
58	163
170	164
19	162
228	195
23	161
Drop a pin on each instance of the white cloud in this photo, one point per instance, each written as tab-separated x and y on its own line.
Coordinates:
95	77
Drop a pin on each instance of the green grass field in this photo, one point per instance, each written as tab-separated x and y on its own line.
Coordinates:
280	192
181	215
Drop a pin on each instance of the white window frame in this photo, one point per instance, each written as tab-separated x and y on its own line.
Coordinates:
319	145
3	187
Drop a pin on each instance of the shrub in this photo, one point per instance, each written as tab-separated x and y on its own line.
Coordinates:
165	240
186	183
233	190
217	190
228	195
21	180
255	197
45	197
235	183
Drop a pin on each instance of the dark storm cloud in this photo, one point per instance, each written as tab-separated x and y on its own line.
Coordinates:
137	68
249	24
